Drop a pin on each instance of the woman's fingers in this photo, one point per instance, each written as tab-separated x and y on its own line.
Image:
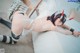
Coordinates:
76	33
79	33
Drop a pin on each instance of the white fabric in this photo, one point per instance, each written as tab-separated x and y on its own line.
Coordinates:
47	43
55	42
8	39
1	37
15	5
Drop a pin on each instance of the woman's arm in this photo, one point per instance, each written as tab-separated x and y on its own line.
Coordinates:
65	26
75	33
62	30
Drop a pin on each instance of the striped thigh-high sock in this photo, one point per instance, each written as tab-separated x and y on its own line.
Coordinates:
9	39
6	23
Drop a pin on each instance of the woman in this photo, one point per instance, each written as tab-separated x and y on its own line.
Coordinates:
20	21
46	23
53	22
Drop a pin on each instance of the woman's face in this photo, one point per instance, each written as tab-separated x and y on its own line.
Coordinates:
58	22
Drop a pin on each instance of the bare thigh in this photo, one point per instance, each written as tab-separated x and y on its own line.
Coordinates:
20	22
17	23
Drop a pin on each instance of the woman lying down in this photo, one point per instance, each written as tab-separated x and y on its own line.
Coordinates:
20	21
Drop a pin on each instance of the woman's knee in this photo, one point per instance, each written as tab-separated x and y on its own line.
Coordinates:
17	23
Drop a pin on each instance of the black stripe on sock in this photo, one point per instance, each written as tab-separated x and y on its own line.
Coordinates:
4	38
21	13
6	23
10	40
14	36
15	42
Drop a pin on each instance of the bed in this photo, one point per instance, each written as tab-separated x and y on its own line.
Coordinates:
55	42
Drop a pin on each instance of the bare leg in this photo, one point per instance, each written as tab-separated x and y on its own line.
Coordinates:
17	23
29	4
16	29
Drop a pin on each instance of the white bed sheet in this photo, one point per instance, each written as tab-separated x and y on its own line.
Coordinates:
55	42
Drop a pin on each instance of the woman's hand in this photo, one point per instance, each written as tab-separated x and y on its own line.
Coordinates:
76	33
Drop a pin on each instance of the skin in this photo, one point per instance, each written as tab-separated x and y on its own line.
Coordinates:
38	25
75	33
19	23
29	4
50	26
